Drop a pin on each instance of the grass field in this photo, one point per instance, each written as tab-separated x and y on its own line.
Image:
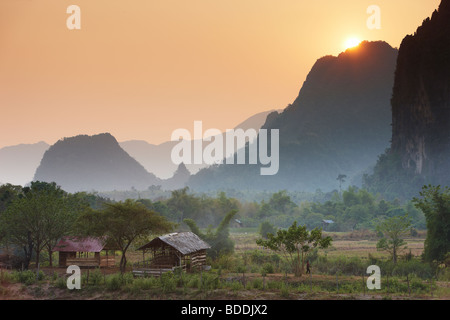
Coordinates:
228	280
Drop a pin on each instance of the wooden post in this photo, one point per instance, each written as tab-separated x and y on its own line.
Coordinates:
310	282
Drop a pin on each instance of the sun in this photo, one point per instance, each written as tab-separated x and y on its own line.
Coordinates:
351	43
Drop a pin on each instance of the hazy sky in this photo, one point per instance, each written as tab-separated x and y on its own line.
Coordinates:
140	69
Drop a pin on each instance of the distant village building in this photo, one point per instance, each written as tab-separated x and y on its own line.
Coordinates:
85	252
184	250
237	223
326	223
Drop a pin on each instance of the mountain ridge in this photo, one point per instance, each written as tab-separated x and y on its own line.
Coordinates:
338	124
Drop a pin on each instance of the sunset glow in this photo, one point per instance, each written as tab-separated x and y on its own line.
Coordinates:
351	43
140	71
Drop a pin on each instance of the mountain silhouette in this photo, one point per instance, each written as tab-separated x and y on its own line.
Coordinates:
338	124
92	163
157	158
420	149
18	163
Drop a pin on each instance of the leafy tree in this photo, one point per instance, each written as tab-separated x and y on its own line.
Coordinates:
265	228
123	223
281	202
393	229
296	243
184	205
218	239
38	219
435	204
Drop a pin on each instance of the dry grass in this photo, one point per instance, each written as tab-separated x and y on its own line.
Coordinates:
350	244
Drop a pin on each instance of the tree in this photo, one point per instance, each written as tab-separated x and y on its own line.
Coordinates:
183	205
296	243
393	229
123	223
341	178
435	204
219	240
265	228
38	219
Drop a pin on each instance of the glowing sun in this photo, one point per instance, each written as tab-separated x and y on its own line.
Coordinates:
351	43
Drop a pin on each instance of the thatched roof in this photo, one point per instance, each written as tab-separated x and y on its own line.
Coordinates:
184	242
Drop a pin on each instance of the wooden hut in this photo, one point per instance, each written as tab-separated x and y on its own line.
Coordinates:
183	250
84	252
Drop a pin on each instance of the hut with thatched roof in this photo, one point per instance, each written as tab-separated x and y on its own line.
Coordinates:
183	250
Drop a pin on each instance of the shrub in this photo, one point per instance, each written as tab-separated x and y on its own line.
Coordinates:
257	283
236	286
274	285
285	290
114	282
27	277
193	282
168	282
268	268
61	283
144	284
96	277
210	282
415	267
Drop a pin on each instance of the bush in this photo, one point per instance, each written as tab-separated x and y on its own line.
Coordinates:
236	286
268	268
96	277
114	282
144	284
168	282
257	283
27	277
415	267
210	281
265	228
285	290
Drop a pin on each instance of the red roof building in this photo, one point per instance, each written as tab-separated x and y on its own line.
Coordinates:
84	252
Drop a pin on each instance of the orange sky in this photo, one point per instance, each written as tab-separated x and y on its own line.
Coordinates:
140	69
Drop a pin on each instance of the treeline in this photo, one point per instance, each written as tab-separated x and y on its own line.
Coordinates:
34	218
350	209
353	209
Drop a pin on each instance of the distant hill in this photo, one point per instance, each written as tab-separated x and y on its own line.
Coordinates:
87	163
157	159
339	124
18	163
420	149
